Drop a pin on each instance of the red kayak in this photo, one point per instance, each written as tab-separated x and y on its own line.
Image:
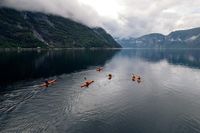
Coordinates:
87	83
50	82
99	69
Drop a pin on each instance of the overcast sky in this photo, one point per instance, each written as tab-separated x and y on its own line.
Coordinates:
121	18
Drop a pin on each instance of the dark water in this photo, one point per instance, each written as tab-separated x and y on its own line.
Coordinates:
166	101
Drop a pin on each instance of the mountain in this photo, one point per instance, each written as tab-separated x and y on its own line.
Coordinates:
33	29
187	36
177	39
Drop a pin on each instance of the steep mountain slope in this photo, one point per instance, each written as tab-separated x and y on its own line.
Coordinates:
103	35
30	29
184	35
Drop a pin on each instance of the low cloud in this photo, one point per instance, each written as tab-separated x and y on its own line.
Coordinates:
135	18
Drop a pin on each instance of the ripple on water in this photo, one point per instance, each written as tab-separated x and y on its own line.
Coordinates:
165	102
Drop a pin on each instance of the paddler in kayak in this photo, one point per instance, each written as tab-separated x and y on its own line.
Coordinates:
109	76
99	69
48	82
136	78
87	83
133	77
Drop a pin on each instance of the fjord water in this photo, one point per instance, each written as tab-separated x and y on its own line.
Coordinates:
166	101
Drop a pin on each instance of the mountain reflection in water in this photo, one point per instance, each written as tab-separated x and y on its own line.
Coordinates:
166	101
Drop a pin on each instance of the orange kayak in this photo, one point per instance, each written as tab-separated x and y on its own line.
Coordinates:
136	78
87	83
99	69
50	82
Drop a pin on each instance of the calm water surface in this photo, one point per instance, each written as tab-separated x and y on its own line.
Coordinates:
166	101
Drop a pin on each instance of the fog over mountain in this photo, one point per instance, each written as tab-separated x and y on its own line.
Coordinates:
121	18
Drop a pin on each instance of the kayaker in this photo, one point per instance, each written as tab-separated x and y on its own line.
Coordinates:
99	69
133	77
87	83
136	78
46	83
109	76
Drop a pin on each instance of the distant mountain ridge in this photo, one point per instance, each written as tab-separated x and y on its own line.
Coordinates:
177	39
32	29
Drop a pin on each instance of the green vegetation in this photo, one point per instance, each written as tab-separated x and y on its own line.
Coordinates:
31	30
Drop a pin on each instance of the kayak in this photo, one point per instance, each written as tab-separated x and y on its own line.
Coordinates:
99	69
50	82
87	83
109	76
136	78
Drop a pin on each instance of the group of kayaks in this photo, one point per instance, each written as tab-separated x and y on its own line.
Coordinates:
87	83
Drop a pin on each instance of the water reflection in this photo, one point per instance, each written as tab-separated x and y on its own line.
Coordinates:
185	57
26	65
21	65
167	100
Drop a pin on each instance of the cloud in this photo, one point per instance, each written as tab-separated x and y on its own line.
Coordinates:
70	9
147	16
121	18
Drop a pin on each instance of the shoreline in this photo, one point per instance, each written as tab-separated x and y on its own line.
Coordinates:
44	49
